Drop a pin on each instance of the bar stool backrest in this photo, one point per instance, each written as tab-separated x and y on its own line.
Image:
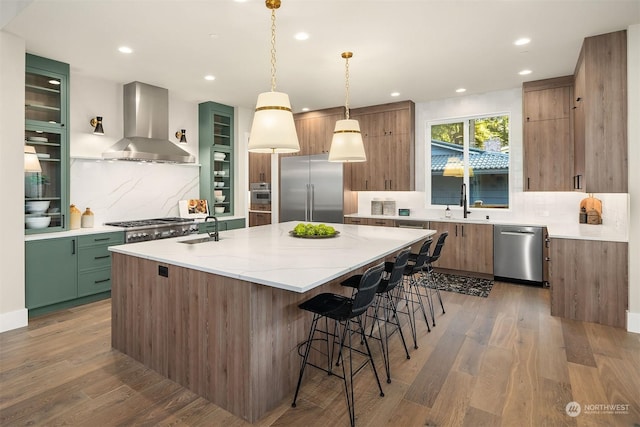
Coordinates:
421	259
395	278
438	249
366	290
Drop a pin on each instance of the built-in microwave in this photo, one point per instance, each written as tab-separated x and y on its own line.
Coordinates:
260	193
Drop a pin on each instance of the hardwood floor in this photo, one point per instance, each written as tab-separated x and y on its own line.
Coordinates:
501	360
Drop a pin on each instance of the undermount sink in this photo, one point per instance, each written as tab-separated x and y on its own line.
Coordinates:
199	240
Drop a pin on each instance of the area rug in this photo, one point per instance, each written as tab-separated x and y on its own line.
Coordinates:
463	284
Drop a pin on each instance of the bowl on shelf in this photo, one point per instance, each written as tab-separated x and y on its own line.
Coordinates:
217	192
219	209
220	199
37	206
219	184
216	173
222	173
219	156
37	221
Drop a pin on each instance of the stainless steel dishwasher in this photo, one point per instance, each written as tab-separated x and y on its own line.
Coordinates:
518	253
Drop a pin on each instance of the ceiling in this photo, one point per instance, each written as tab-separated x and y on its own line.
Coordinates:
423	49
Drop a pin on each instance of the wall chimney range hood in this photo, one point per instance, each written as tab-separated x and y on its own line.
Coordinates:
146	127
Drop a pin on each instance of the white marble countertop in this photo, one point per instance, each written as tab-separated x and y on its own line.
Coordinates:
72	233
268	255
556	230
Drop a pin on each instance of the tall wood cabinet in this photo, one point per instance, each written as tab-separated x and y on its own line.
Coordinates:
548	141
259	167
388	136
589	280
600	128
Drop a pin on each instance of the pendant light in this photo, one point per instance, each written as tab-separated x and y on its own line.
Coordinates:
273	129
346	145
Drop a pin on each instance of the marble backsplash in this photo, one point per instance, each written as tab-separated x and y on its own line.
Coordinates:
124	190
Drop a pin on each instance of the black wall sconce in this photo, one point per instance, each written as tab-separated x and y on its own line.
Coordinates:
181	135
96	123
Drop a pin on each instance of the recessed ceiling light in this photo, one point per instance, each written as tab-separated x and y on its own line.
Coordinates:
125	49
214	36
301	36
394	94
54	82
460	90
522	41
524	72
209	77
305	109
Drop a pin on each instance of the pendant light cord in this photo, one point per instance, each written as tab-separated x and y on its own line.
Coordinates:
273	50
346	101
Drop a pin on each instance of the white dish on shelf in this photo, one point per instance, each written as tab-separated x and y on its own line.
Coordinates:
220	199
219	156
219	209
215	173
37	221
222	173
217	193
37	206
37	139
43	155
219	184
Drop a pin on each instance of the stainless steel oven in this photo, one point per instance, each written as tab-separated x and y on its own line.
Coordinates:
260	193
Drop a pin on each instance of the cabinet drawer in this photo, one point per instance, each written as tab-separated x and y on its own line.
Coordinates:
94	257
357	221
94	282
382	222
107	239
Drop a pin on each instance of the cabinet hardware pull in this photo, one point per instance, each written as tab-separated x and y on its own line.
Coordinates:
528	180
101	257
102	239
547	259
462	227
390	186
101	281
456	231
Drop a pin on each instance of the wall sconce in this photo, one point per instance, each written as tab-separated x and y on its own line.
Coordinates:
31	162
181	135
96	123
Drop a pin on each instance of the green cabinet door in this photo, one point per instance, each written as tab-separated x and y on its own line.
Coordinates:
51	271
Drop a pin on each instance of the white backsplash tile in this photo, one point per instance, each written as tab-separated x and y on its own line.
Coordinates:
124	190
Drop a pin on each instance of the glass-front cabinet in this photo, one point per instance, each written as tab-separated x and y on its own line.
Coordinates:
46	181
216	157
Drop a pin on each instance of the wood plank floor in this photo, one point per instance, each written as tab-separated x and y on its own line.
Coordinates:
501	360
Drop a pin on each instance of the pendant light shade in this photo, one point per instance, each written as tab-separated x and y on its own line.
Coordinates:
273	129
31	162
346	144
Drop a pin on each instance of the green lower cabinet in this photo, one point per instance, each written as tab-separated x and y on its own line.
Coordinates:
51	271
68	271
223	225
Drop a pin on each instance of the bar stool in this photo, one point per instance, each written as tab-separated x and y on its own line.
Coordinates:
346	312
412	291
429	281
385	300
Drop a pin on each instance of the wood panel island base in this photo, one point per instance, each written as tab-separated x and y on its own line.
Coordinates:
222	318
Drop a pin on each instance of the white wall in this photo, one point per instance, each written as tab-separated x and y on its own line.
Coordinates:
12	62
633	93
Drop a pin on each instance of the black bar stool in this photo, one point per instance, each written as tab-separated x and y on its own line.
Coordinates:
429	280
385	300
346	312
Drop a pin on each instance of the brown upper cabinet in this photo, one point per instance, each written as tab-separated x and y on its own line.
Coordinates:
315	130
259	167
548	143
388	136
600	126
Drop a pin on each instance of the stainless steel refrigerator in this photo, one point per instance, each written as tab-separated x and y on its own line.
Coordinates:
311	189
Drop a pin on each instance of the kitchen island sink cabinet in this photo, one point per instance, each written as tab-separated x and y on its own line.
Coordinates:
222	318
469	247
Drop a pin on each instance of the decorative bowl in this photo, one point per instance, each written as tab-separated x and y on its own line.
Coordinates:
219	209
37	221
220	184
217	193
219	156
220	199
222	173
39	206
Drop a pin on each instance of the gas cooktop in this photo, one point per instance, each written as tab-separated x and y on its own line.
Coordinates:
141	230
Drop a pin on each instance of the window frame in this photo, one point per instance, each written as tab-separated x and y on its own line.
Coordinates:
465	151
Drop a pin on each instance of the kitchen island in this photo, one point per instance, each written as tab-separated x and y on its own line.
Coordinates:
222	318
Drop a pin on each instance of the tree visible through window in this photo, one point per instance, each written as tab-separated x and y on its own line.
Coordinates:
474	151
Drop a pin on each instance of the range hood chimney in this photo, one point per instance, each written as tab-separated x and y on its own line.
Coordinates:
146	127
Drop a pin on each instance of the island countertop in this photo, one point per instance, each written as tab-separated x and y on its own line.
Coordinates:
268	255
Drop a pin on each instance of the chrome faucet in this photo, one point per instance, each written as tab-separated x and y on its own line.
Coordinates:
215	235
463	200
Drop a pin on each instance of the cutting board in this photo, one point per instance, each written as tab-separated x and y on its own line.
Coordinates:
592	204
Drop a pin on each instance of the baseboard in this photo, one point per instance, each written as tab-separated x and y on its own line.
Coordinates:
633	322
14	320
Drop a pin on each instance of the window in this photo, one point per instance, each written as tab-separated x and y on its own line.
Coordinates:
473	151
